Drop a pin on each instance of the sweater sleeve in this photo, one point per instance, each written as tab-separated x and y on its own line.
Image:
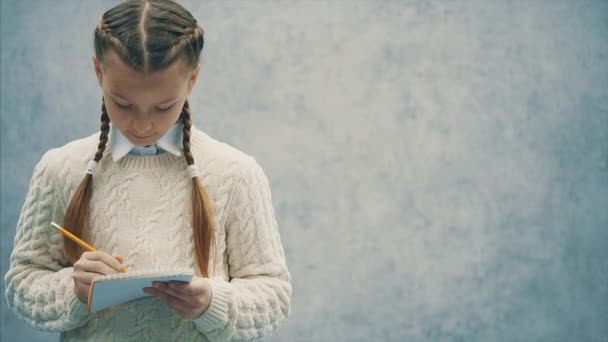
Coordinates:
39	289
257	298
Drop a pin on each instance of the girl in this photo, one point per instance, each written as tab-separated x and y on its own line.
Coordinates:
150	190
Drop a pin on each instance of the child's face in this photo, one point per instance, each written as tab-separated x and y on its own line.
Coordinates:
152	103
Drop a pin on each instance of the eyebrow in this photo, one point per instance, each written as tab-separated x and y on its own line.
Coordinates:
167	101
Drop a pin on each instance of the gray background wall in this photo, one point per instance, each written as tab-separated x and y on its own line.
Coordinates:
439	168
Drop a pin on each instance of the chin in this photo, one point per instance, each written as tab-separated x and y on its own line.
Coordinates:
142	142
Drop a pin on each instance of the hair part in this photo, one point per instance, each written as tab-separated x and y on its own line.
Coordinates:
148	36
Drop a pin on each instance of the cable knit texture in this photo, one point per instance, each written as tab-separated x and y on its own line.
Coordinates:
141	209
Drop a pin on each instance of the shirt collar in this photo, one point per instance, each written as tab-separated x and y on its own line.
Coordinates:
170	141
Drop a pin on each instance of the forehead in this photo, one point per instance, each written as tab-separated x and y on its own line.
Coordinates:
121	76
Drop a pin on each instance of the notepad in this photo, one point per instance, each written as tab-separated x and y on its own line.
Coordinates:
112	289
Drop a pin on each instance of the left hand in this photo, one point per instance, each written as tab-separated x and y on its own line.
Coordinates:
188	300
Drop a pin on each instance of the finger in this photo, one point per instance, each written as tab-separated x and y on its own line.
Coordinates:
85	277
163	286
161	295
107	259
179	306
97	267
189	289
103	268
170	295
176	304
85	266
115	262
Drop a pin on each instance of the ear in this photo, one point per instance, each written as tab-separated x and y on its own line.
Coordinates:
97	68
193	78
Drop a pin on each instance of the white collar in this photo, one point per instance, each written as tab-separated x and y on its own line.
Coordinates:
170	141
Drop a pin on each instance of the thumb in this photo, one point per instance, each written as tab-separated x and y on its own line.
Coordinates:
119	258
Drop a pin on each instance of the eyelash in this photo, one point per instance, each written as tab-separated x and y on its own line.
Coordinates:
129	106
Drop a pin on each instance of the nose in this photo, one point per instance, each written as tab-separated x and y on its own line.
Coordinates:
142	127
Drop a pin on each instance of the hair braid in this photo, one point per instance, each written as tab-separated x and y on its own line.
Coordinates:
191	37
76	215
202	218
186	116
105	32
105	129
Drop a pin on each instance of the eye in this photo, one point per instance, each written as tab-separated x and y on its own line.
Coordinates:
129	106
121	106
165	109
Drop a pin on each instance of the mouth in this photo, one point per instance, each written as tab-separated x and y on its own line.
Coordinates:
140	137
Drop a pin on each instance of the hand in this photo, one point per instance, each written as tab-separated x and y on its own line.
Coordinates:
188	300
92	264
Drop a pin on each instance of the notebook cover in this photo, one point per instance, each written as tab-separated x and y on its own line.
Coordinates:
111	289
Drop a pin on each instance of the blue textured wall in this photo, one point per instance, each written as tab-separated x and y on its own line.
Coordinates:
439	169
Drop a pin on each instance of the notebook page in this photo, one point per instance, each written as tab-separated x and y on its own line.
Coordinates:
111	289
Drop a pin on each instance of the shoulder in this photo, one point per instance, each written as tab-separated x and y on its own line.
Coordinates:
70	159
222	158
237	173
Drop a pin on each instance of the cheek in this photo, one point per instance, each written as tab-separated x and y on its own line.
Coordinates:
174	116
112	114
178	109
117	117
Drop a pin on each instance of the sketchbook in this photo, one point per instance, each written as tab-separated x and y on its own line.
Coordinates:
111	289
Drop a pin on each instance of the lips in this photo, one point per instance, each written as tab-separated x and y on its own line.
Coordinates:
140	137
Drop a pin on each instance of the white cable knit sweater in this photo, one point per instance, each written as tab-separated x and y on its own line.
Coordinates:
141	209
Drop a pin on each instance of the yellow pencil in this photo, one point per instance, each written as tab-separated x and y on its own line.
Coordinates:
78	241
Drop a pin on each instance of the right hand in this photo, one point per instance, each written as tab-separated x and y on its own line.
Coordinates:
92	264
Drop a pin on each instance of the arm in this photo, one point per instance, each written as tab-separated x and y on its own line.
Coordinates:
257	298
38	288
